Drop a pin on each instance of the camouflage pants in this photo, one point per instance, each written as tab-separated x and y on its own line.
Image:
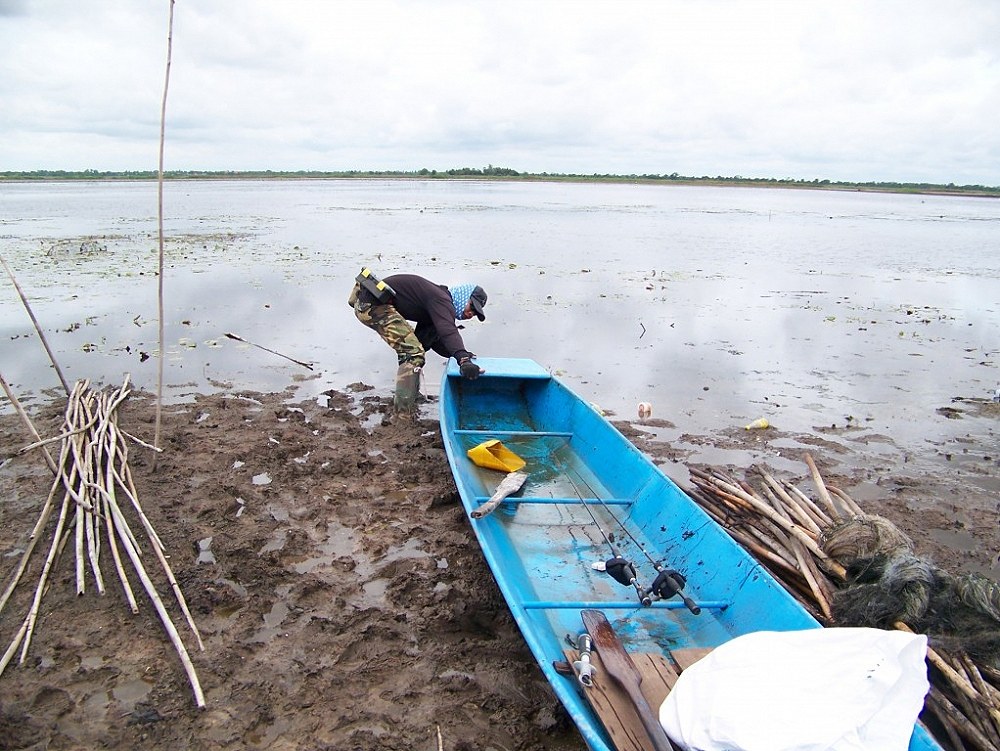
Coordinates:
391	326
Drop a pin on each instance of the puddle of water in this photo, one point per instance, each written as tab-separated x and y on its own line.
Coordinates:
865	493
262	479
340	542
409	549
275	617
374	591
238	588
130	692
278	513
658	432
97	703
955	539
277	614
266	736
223	617
396	496
372	421
205	554
91	662
723	457
277	541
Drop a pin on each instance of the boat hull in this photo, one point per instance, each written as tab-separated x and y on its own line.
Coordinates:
586	485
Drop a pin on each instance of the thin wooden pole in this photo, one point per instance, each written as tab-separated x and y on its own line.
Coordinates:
851	504
806	564
159	212
836	509
800	514
41	334
27	422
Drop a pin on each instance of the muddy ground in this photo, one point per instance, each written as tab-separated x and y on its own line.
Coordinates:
340	594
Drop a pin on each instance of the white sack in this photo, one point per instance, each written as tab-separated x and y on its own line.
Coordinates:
822	689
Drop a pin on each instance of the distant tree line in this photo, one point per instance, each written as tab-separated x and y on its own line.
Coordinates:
493	172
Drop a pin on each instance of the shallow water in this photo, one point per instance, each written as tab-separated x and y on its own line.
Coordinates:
715	305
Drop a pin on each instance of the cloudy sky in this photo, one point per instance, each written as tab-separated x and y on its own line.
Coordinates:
883	90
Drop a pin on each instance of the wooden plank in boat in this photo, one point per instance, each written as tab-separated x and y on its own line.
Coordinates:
688	656
613	705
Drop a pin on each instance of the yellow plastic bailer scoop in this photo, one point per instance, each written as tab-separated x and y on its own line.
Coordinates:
494	455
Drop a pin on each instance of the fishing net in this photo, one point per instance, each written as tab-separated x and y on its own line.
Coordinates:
863	536
886	583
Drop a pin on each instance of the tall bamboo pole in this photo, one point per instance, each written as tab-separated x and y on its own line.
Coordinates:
159	217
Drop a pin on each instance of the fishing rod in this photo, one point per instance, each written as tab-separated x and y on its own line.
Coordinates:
618	567
667	583
259	346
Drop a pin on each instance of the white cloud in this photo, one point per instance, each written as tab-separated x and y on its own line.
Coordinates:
840	90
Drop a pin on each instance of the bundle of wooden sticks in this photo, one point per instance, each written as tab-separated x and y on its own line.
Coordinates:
785	530
92	499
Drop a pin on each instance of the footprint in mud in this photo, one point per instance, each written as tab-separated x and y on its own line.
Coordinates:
52	701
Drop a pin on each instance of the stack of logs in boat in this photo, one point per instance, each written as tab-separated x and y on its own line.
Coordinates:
792	536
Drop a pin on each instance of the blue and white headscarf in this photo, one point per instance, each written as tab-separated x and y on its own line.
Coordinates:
460	295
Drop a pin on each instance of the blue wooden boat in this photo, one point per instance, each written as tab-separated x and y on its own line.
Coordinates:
585	483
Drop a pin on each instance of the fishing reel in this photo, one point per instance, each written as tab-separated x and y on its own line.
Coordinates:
621	570
669	583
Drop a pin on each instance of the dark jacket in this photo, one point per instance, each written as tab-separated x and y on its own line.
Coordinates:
429	305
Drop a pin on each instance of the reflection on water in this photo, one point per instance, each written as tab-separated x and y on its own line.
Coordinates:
718	305
205	554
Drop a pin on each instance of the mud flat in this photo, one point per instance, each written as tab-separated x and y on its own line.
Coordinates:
341	596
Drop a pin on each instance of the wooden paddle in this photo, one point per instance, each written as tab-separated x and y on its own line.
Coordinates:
619	666
510	484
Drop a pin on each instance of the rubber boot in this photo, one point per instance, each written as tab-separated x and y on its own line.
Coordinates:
407	388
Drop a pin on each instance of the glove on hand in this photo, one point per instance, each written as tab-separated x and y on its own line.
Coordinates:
469	369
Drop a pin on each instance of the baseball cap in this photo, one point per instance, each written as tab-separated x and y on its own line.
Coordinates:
478	300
